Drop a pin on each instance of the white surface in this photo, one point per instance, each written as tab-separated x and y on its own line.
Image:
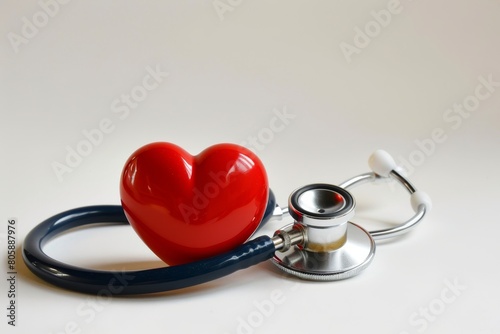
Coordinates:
227	80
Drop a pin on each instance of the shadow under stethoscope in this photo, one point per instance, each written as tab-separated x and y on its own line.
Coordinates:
127	269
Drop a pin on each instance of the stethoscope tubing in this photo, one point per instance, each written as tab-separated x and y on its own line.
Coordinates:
138	281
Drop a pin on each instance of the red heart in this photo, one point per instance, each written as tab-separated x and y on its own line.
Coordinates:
186	207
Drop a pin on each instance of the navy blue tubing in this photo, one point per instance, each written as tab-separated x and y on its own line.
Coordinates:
139	281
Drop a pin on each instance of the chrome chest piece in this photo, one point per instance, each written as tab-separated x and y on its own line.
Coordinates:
332	248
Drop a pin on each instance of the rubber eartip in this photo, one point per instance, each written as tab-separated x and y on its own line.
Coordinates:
381	163
418	198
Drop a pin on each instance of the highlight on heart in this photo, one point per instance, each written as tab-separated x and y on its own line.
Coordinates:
203	194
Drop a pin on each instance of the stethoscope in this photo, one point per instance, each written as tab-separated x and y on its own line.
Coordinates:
321	244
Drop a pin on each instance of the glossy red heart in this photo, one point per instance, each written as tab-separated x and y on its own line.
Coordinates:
187	208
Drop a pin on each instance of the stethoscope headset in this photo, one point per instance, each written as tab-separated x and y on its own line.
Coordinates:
321	244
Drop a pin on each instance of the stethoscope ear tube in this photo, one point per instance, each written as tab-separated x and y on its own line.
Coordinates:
129	282
420	202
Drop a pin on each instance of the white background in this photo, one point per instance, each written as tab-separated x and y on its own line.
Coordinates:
228	73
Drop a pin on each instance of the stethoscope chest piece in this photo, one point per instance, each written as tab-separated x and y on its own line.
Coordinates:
332	247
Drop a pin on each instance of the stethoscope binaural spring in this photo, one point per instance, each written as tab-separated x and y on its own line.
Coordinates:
321	244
